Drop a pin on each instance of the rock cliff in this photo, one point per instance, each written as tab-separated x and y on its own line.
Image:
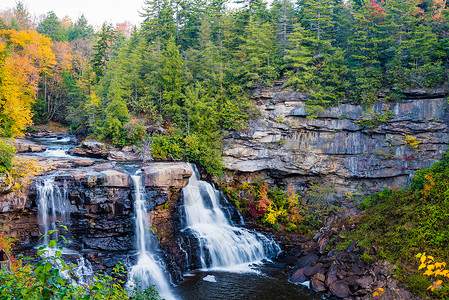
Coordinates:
101	222
358	149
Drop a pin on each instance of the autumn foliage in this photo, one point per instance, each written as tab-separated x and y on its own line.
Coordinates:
25	56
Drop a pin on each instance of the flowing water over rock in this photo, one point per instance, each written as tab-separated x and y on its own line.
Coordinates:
149	269
53	207
53	213
222	245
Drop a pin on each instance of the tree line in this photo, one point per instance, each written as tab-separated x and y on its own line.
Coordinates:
189	68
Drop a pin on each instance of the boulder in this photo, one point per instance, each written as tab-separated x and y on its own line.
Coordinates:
104	166
23	146
340	289
83	162
92	148
299	276
116	179
317	283
122	156
364	282
331	275
167	175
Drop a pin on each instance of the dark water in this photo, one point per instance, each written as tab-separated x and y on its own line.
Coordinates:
269	284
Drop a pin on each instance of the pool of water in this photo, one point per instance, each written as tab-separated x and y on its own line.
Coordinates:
264	283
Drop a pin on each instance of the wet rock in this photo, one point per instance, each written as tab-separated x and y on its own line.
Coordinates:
365	282
23	146
310	270
340	289
83	162
306	260
317	283
299	276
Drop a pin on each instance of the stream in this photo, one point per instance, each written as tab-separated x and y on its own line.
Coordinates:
236	263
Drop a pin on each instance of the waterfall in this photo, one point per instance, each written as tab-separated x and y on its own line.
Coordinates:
148	270
52	205
222	244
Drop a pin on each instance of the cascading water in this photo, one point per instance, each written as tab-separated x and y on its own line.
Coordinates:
222	245
53	206
148	270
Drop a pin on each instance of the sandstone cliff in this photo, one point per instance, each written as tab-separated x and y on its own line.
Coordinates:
285	146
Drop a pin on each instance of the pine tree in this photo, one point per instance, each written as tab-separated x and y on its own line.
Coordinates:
101	55
80	30
299	58
258	54
51	27
159	24
317	19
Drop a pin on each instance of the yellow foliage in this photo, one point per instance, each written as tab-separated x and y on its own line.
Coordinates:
24	56
411	141
273	214
24	170
433	269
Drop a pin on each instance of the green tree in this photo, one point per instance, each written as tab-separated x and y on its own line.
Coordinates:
51	27
257	54
80	30
159	24
101	51
299	59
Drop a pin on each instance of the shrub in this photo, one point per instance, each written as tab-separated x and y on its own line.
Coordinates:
44	280
7	152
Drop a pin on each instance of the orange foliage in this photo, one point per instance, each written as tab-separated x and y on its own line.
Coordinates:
428	186
264	202
24	56
439	6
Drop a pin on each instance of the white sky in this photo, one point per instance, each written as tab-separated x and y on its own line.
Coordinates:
95	11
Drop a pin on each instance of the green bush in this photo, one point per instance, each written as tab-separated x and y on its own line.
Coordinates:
44	281
174	145
7	152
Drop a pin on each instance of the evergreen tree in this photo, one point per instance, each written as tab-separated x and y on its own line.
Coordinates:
51	27
170	76
299	60
317	19
258	54
159	24
101	51
80	30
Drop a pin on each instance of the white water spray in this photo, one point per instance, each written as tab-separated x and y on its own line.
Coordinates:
148	270
53	206
223	246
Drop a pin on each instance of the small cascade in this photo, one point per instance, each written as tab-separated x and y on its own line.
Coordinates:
53	206
56	152
148	270
222	244
83	271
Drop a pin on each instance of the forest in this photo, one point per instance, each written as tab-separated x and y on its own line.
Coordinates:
189	68
180	82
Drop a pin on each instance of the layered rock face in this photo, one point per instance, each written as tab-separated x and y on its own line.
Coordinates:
358	149
101	221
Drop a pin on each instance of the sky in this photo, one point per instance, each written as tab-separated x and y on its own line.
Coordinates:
95	11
